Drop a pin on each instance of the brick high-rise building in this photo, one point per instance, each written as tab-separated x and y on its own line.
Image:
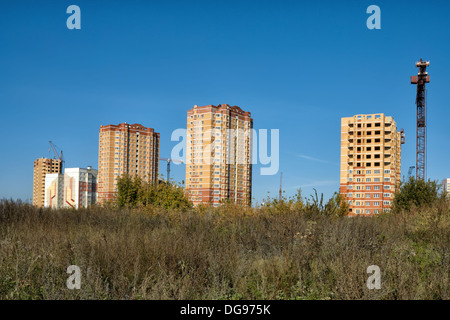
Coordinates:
126	149
370	162
42	166
218	157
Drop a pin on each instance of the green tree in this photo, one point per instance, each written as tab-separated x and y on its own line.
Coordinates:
132	191
337	206
128	189
415	192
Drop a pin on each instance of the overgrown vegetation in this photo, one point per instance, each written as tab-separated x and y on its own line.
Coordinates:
288	249
416	193
132	192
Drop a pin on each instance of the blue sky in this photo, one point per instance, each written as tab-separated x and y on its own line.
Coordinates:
297	66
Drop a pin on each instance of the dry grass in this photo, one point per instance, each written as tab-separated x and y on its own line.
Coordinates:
227	253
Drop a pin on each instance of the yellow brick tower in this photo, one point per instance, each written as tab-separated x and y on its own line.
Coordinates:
126	149
42	166
370	162
219	151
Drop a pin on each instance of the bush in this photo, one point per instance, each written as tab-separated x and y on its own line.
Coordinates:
132	192
415	192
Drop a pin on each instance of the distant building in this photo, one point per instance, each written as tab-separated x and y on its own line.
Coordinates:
370	162
43	166
126	149
54	190
446	186
218	156
76	188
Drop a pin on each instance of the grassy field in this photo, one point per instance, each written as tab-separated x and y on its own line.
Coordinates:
225	253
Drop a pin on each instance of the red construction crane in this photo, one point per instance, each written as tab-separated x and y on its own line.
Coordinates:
421	78
168	165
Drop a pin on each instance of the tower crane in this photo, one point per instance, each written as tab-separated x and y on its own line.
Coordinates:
58	156
168	165
421	79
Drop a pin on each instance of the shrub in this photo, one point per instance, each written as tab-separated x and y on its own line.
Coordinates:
132	192
415	192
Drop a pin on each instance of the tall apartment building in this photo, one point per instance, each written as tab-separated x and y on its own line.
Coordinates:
218	156
370	162
76	188
126	149
446	187
42	166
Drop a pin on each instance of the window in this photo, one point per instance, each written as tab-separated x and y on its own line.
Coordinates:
368	187
376	195
368	179
387	203
386	195
367	203
387	171
386	187
367	211
376	188
367	195
376	203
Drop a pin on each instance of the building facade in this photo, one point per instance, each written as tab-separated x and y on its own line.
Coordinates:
218	155
76	188
446	187
43	166
126	149
370	162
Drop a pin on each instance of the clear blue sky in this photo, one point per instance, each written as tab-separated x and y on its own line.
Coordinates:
297	66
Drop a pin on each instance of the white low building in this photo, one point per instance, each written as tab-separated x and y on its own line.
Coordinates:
76	188
446	186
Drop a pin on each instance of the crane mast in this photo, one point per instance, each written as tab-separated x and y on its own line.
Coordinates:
168	165
421	79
